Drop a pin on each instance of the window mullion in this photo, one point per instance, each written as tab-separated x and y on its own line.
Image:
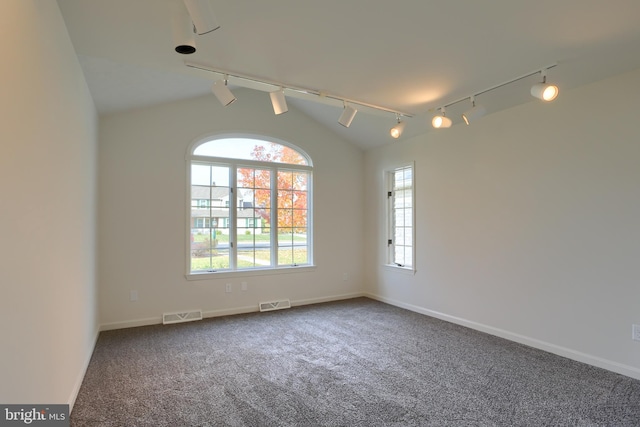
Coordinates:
391	222
233	221
274	217
210	213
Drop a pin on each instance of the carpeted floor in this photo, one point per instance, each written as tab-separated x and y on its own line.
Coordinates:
350	363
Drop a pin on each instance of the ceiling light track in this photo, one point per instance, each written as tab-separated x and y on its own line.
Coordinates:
540	90
307	91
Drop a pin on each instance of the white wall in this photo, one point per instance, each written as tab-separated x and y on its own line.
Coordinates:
48	139
142	205
528	224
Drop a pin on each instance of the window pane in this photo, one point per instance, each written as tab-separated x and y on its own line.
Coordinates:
200	193
285	236
408	257
293	256
299	199
246	177
254	178
207	252
299	219
408	217
408	236
264	215
292	249
285	199
262	198
399	255
250	149
399	218
285	180
285	218
200	174
299	181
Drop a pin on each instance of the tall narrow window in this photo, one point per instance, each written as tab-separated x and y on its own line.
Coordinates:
250	206
400	197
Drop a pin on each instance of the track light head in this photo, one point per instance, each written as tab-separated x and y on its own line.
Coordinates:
222	92
183	32
544	91
278	101
441	121
201	13
348	113
397	130
474	113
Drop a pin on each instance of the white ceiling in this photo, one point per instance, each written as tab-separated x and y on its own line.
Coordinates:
411	55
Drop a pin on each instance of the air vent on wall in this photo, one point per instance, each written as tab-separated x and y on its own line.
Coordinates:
184	316
275	305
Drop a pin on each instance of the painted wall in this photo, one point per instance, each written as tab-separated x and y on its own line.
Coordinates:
48	148
142	205
527	224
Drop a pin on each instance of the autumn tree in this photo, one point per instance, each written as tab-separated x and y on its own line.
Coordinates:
291	187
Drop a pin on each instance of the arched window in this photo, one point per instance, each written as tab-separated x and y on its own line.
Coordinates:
250	205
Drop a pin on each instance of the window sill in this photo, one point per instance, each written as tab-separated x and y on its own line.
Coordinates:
247	273
397	269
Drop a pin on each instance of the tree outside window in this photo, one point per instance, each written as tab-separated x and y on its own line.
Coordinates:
269	185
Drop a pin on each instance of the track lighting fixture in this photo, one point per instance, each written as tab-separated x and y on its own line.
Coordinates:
183	31
474	113
348	113
278	101
441	121
544	91
201	13
396	131
541	90
222	92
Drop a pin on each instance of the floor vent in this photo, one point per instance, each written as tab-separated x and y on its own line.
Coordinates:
185	316
275	305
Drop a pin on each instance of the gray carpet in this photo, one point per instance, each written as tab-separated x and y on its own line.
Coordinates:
350	363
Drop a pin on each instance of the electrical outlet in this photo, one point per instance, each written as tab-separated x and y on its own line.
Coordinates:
635	332
243	286
133	296
228	288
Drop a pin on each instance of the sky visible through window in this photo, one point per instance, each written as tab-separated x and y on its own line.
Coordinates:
230	148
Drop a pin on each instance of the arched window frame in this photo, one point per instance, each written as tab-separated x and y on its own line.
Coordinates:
274	245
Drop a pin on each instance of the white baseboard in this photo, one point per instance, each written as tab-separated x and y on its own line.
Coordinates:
223	312
230	311
76	387
599	362
131	323
326	299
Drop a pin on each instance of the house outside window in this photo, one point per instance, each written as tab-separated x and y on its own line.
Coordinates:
270	185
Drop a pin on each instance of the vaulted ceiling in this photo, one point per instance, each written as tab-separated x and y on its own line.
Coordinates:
411	56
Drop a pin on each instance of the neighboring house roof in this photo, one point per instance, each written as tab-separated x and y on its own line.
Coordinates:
202	192
222	213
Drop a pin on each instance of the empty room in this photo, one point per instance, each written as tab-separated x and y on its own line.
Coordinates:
335	213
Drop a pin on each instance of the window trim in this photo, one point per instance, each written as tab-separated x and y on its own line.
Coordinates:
236	163
390	232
